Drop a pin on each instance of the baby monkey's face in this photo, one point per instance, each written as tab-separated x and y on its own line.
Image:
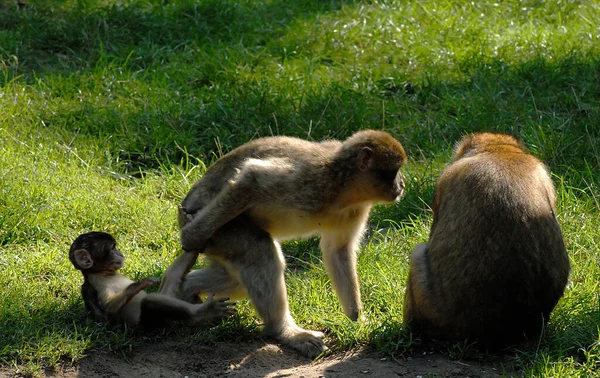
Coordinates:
116	258
106	256
96	252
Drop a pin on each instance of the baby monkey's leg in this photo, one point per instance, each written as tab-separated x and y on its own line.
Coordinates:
173	277
156	308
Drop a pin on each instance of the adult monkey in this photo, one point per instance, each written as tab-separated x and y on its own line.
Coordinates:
495	264
277	188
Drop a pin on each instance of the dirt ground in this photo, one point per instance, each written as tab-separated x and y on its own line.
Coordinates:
261	358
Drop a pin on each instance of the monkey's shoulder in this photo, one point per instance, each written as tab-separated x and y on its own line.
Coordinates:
89	292
489	168
490	186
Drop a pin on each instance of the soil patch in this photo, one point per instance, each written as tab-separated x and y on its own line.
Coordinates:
264	359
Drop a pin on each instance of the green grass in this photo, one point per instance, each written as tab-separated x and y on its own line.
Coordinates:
111	109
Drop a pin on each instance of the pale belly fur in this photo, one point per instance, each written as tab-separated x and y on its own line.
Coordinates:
113	285
291	224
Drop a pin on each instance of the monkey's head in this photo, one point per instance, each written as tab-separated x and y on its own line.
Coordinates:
480	142
96	252
378	158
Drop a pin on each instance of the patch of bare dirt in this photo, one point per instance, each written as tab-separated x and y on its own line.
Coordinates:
263	359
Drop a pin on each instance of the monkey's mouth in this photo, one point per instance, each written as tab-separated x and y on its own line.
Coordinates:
397	192
393	196
118	263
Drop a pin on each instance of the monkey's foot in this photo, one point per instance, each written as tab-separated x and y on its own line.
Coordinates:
357	316
214	308
309	343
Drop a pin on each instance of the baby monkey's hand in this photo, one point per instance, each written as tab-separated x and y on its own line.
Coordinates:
149	282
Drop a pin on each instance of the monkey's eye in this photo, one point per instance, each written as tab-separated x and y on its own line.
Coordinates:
386	175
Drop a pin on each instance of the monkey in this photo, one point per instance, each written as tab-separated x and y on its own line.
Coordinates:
495	264
111	297
276	188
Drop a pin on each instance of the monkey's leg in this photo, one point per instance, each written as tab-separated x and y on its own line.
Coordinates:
419	309
213	279
339	257
264	280
172	278
156	308
243	252
408	313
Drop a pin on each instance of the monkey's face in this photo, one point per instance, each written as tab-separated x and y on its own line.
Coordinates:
382	185
380	171
96	252
390	183
116	257
107	257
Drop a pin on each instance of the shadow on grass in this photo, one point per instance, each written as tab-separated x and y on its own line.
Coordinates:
572	336
24	334
55	35
59	335
205	107
550	105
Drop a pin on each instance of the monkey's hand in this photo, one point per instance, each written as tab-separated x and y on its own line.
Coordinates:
116	302
194	239
149	282
187	217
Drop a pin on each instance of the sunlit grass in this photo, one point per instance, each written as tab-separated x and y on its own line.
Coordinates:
110	110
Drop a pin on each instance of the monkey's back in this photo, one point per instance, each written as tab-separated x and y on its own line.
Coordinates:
312	155
497	257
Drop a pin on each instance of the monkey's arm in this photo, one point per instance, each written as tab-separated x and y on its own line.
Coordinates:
92	303
116	302
250	186
339	256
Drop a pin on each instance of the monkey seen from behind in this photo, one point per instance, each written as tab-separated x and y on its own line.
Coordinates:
495	264
277	188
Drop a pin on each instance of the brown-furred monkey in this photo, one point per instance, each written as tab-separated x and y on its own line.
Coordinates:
277	188
495	264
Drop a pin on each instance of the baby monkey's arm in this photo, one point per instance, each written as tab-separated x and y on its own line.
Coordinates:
120	299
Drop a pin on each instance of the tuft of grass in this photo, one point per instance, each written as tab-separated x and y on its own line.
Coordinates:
112	109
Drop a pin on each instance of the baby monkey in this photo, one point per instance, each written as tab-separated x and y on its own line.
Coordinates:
110	296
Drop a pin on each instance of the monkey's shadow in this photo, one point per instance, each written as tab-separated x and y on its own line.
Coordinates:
177	358
575	334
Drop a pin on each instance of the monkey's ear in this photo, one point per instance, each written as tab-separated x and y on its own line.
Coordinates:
364	159
463	146
83	259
